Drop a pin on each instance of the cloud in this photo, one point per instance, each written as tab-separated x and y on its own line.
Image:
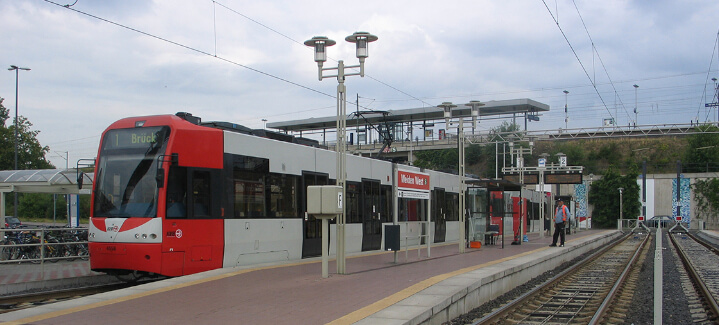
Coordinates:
86	72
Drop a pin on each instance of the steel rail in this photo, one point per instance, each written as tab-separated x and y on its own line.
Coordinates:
709	297
491	317
610	297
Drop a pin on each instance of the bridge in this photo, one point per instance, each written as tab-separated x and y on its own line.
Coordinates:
411	130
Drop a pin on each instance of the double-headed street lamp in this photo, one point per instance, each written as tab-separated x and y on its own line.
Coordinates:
447	107
17	70
320	44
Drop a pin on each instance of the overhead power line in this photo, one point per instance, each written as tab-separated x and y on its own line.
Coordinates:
192	49
210	54
301	43
578	59
706	81
594	49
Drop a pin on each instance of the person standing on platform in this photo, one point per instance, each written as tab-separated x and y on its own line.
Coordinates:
561	214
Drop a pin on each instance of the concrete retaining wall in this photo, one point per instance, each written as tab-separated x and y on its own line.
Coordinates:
467	290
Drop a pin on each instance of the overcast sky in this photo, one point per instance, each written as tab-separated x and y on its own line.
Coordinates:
244	61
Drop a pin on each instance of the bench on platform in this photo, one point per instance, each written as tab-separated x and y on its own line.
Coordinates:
490	237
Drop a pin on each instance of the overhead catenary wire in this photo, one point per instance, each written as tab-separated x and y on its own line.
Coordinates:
301	43
578	59
425	100
594	49
706	81
193	49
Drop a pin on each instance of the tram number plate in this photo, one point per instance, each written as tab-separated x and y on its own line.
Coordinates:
114	249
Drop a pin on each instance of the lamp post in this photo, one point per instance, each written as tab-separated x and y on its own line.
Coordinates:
621	210
716	96
566	110
635	104
447	107
589	188
17	70
264	123
320	43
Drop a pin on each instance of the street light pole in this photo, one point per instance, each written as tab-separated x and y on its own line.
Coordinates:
361	39
566	110
447	107
17	70
621	208
635	104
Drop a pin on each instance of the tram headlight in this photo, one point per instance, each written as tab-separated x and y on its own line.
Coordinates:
144	236
153	236
137	236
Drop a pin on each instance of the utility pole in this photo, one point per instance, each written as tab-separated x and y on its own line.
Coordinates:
715	99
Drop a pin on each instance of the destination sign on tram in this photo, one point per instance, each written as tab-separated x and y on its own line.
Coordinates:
134	138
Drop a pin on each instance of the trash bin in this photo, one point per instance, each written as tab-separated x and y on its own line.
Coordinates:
391	238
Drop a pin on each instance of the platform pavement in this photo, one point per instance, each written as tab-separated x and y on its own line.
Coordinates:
287	293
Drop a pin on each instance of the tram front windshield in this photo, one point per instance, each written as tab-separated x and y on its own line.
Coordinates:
125	180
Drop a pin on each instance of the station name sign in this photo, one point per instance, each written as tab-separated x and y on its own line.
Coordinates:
412	185
414	181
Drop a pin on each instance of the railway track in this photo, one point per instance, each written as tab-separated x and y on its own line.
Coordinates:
701	262
582	294
17	302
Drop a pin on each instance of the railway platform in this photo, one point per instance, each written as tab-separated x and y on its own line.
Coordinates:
375	290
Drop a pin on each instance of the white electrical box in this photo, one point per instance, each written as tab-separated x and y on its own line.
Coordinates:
324	200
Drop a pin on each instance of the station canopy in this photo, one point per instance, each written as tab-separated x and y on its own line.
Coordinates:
55	181
491	108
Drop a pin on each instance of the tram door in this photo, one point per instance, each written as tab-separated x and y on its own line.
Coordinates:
312	241
439	207
371	212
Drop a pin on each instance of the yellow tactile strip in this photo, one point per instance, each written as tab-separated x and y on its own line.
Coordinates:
347	319
371	309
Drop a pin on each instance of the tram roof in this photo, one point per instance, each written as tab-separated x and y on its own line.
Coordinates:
490	108
56	181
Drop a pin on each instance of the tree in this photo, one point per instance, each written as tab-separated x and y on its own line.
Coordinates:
702	151
40	205
604	196
489	151
707	198
475	154
31	155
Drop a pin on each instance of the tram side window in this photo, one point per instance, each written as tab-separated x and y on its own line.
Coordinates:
201	198
353	203
386	204
452	206
177	193
250	174
283	196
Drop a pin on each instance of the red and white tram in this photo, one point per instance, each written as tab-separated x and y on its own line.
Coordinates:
174	196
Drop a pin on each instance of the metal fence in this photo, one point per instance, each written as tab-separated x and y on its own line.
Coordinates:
41	245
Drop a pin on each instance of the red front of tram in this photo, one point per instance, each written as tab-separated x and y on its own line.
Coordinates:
151	209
